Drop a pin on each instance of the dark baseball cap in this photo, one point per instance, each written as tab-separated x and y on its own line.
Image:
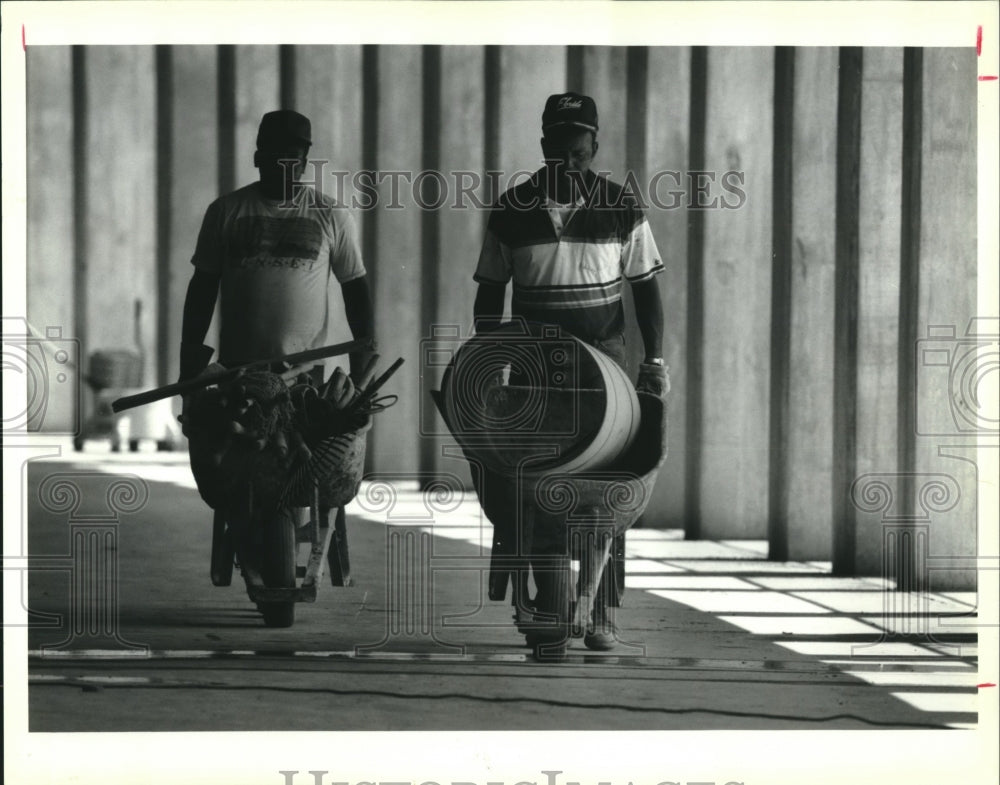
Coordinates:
570	109
284	125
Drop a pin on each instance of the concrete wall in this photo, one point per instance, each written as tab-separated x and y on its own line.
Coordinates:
792	319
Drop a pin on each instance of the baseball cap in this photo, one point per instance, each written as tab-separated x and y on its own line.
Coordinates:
284	125
570	109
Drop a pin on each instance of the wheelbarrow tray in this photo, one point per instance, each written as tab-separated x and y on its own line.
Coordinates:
520	503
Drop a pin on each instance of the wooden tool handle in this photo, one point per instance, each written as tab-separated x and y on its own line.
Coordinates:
200	382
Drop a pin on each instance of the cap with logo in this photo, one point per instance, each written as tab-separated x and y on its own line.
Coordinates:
570	109
284	125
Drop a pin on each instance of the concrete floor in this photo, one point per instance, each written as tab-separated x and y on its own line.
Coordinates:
714	636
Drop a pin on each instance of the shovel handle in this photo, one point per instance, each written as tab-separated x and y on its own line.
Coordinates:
200	382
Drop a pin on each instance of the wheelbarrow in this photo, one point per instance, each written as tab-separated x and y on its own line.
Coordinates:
281	492
265	538
550	494
267	502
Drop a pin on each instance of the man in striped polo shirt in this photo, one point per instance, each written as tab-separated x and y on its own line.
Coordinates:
568	239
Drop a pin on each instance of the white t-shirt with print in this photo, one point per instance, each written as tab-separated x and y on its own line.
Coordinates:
276	260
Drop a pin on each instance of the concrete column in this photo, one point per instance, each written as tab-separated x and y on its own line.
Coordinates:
50	274
460	225
953	354
808	453
328	92
194	154
257	87
528	75
398	271
737	295
668	100
880	218
120	199
602	77
50	199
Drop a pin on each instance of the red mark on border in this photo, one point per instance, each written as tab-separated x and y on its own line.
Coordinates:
987	684
987	78
979	40
24	41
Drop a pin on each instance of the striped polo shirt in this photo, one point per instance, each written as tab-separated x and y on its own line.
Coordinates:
570	274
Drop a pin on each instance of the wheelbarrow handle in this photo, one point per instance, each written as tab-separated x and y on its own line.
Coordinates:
198	383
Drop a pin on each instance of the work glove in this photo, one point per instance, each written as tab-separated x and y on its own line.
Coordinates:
340	390
653	379
208	372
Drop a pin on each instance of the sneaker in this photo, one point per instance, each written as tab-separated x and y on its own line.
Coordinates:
601	634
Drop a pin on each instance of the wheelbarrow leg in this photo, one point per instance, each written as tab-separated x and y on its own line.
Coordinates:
222	552
602	634
616	565
593	546
338	557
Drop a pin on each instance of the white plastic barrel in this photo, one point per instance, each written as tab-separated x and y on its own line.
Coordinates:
542	422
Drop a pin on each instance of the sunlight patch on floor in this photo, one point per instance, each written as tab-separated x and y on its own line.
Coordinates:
719	602
800	625
951	702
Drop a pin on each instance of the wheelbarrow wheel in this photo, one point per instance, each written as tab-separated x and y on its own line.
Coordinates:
278	568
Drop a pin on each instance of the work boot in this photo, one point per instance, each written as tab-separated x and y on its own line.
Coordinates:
524	618
601	632
548	637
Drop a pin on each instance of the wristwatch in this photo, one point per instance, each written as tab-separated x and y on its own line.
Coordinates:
654	361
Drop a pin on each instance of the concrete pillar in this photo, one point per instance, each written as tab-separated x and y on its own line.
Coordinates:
50	200
194	155
398	271
808	454
737	295
668	99
120	208
257	84
49	272
528	75
459	226
954	351
880	217
602	72
328	92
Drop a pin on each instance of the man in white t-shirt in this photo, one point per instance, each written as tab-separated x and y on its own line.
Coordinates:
269	250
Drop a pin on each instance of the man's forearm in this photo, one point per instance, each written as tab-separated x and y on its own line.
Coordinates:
649	315
199	305
487	311
360	318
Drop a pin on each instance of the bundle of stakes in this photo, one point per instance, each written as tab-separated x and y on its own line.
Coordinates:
281	433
